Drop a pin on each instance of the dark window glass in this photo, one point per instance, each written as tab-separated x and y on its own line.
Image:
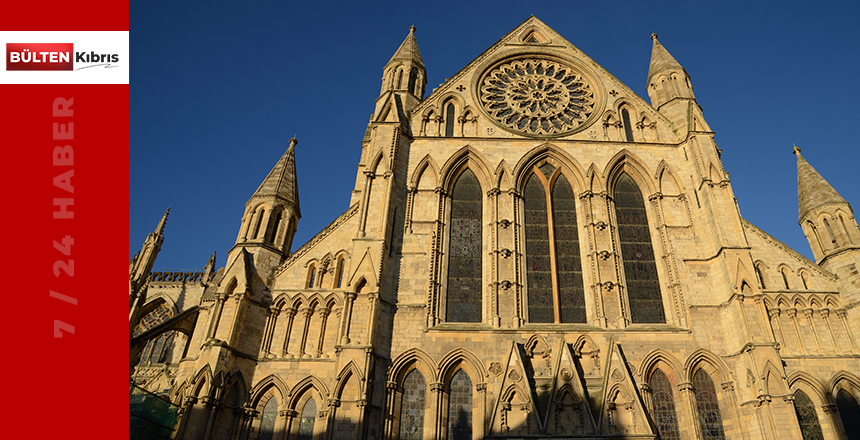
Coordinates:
807	417
849	412
312	277
449	120
784	279
460	407
707	406
267	420
306	424
161	313
760	277
259	224
413	75
628	129
663	401
569	268
275	227
340	275
412	407
465	251
538	264
640	268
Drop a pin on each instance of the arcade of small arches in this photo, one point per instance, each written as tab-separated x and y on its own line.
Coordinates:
698	397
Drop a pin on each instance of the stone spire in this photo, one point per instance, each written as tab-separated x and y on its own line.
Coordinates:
813	191
281	183
661	59
404	75
408	50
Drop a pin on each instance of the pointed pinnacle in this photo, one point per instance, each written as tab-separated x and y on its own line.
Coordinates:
813	191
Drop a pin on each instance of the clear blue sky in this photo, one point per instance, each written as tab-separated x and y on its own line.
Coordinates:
219	87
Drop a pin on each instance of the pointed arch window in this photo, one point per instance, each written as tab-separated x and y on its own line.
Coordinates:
267	420
829	231
628	127
340	266
308	417
463	302
784	278
849	412
460	407
412	406
707	406
312	276
640	267
275	227
760	277
553	266
449	120
663	402
844	230
259	223
807	417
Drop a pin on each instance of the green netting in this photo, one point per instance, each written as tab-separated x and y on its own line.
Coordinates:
150	417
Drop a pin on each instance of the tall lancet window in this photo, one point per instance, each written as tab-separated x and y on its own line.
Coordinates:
663	401
308	417
807	417
707	406
640	268
412	407
628	128
460	407
267	420
449	120
553	266
465	250
849	412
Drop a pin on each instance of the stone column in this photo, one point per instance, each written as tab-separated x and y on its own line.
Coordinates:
324	312
843	317
211	406
291	313
807	313
438	420
270	331
792	316
347	317
775	326
308	313
645	392
365	199
185	414
390	408
215	316
688	396
825	315
478	411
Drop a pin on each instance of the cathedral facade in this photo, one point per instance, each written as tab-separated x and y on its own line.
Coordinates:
530	250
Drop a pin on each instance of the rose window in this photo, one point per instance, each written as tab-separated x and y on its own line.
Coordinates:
539	97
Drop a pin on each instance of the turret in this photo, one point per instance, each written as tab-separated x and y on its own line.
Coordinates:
671	91
139	268
829	225
403	81
271	214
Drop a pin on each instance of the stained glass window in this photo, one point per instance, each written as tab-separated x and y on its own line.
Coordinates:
267	420
849	412
570	291
807	417
465	251
412	407
640	268
663	401
308	417
540	265
707	406
460	407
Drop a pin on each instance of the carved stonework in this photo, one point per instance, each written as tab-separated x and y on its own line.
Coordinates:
537	97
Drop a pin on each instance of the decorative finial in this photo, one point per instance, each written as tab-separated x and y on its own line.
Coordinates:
412	29
293	142
654	37
795	150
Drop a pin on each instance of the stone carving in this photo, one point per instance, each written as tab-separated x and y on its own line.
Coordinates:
514	376
617	376
537	97
495	368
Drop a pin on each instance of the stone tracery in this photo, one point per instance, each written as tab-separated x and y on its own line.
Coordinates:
537	96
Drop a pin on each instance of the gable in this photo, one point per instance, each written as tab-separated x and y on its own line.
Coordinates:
534	83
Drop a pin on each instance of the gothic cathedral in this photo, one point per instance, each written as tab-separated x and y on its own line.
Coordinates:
531	250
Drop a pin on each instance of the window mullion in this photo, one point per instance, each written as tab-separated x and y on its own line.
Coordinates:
556	303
